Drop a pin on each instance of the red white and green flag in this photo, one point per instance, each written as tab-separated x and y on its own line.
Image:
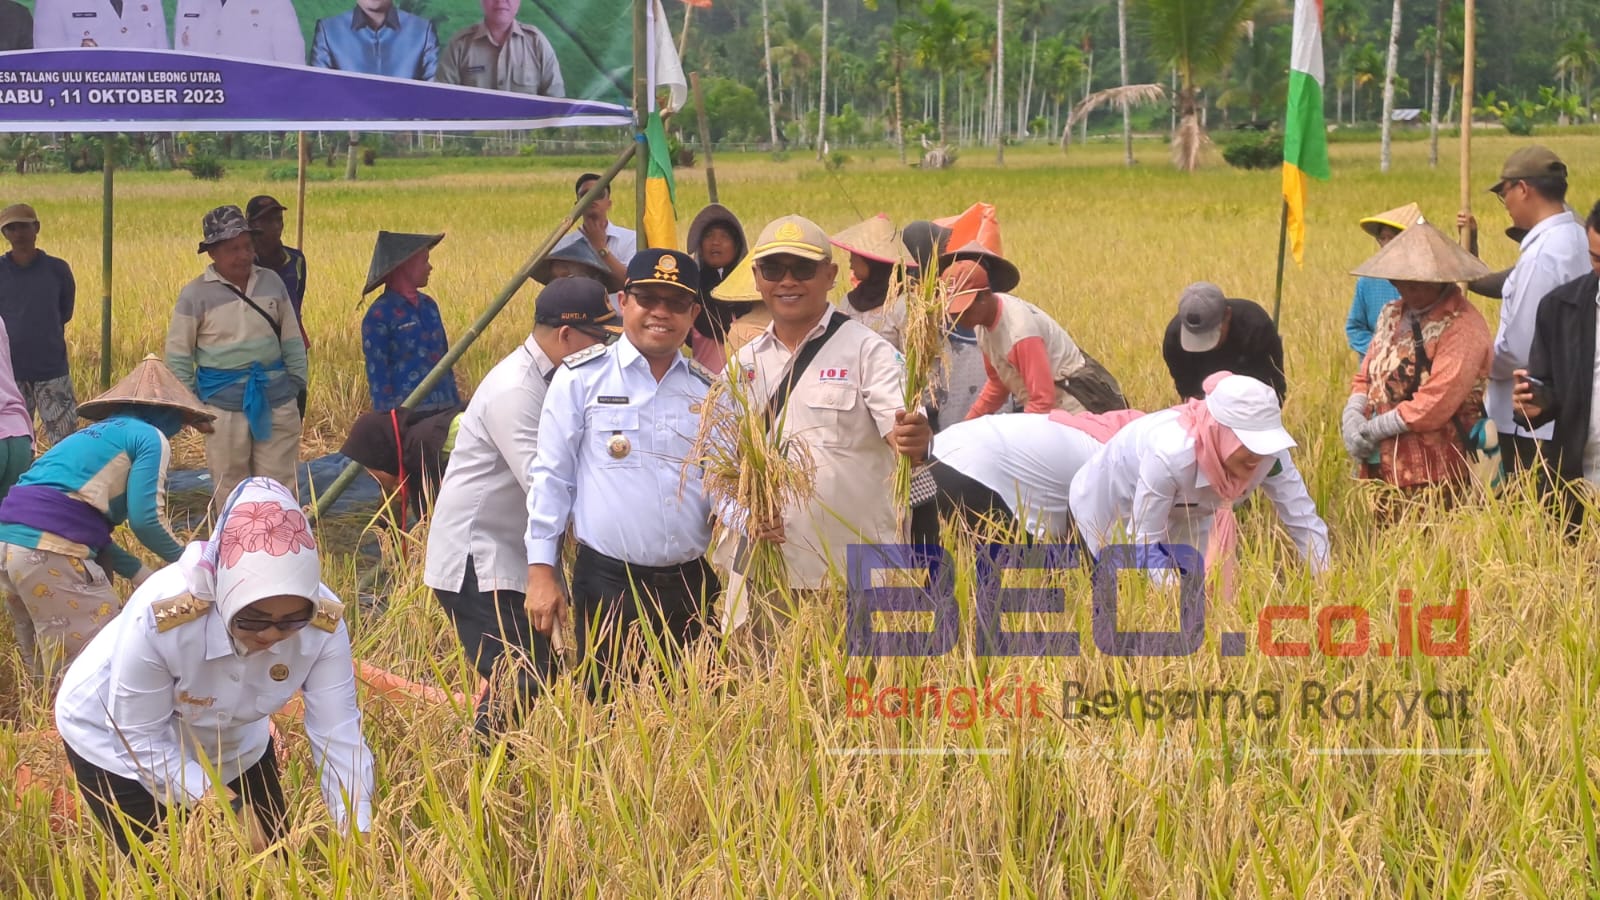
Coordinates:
1305	132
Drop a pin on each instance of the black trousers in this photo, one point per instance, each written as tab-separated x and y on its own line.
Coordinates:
105	793
1518	454
614	604
958	495
495	634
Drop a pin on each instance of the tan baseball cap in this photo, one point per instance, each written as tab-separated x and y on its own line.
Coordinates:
795	235
18	212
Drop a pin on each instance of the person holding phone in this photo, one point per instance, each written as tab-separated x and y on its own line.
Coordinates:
1558	384
1417	399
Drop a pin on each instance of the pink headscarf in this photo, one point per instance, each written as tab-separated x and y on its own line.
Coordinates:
262	547
1213	444
1100	426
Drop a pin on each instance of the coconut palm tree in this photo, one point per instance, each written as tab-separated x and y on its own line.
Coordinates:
1122	63
766	47
898	34
1577	60
1391	63
943	45
1197	38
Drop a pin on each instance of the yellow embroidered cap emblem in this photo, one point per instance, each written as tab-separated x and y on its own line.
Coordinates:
279	672
667	268
794	235
789	231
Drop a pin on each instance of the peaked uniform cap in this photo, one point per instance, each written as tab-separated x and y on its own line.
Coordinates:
1003	276
1400	218
876	239
150	383
1423	253
392	249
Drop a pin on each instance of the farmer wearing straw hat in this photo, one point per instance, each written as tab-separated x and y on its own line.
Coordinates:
1372	294
878	263
56	524
1415	412
1028	356
402	335
170	704
235	341
960	371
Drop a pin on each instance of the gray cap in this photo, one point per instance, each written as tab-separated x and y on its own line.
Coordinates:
221	224
1201	308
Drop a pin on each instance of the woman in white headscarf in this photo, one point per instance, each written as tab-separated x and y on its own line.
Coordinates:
169	704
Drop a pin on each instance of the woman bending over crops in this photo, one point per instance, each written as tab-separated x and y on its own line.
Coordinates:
169	703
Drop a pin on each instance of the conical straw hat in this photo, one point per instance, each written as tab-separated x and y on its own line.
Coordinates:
150	383
1423	253
1400	218
740	284
1003	276
392	249
876	239
978	224
576	249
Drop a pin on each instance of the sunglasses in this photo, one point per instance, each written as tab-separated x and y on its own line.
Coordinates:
802	270
677	304
285	626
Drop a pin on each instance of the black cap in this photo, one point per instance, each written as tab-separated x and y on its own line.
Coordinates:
579	302
669	267
260	205
577	186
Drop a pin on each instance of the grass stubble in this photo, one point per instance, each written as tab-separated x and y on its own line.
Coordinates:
718	781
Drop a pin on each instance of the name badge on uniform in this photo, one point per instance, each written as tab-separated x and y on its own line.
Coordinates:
191	15
833	374
473	70
84	15
614	401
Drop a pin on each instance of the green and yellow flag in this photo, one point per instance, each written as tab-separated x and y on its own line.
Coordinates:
1305	132
660	193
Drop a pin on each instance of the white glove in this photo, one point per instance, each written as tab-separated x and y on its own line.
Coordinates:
1380	428
1351	422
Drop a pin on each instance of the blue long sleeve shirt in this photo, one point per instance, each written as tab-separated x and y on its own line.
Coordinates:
1372	295
402	342
118	466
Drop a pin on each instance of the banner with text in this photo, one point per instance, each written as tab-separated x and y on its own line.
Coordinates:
241	65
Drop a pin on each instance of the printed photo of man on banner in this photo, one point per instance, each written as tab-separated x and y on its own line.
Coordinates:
243	64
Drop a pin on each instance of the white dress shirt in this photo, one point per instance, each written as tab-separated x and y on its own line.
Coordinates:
1026	458
150	705
1146	486
632	507
243	29
62	24
1554	252
481	512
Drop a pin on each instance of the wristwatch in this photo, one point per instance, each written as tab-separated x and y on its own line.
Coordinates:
603	252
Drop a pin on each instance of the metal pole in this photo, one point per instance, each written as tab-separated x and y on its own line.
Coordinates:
325	501
705	138
641	91
300	201
108	166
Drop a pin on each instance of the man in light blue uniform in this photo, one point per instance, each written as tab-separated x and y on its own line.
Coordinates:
376	38
617	424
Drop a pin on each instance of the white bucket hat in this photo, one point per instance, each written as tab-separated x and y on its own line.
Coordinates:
1249	409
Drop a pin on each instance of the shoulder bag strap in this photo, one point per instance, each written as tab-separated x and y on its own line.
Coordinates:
780	396
277	327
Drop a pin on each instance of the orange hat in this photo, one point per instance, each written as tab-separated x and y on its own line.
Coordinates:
964	280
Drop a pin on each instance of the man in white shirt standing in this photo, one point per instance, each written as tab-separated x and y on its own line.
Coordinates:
124	24
614	244
476	563
1533	188
258	29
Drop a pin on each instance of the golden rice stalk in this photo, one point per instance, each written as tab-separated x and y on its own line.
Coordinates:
743	466
926	351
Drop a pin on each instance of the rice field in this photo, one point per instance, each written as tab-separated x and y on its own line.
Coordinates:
1466	770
